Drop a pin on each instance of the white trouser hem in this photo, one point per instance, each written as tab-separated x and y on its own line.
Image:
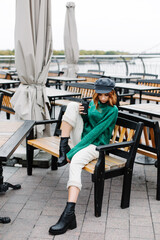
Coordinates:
74	184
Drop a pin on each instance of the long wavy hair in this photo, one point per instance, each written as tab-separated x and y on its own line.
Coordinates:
111	101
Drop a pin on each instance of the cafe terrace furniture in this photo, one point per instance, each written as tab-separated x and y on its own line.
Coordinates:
5	83
86	90
144	75
96	71
61	79
12	133
149	95
119	78
149	145
90	77
148	110
52	94
123	147
6	105
136	87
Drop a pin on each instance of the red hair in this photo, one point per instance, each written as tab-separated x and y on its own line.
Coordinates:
111	101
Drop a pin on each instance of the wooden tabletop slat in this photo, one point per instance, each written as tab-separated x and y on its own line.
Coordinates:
9	126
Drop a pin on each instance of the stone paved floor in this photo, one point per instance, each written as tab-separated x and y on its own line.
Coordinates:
40	201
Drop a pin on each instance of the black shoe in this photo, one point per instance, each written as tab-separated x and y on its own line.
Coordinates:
63	150
156	164
66	221
5	220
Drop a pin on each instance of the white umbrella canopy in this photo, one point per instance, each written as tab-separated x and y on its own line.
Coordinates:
33	50
70	41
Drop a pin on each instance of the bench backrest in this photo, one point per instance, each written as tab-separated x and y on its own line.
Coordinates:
144	75
149	144
86	89
89	76
153	83
96	71
6	105
126	130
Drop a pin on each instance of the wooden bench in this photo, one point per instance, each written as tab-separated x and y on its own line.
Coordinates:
149	95
123	147
149	144
86	90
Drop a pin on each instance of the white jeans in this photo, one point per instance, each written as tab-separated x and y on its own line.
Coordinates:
85	155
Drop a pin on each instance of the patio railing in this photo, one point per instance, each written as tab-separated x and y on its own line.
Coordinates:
111	64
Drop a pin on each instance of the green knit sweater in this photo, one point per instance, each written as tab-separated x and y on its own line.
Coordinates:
98	126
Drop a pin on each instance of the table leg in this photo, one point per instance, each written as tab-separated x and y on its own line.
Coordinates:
5	185
140	97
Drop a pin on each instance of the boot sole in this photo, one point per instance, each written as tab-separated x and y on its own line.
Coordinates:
72	226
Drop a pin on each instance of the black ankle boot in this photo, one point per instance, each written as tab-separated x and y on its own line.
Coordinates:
64	148
5	220
66	221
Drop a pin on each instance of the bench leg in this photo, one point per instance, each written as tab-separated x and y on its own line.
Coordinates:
30	151
158	178
98	195
8	115
54	163
126	191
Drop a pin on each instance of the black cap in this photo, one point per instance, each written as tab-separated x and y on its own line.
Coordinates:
104	85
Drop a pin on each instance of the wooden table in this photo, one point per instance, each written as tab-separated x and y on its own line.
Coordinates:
12	133
148	109
58	80
6	83
136	87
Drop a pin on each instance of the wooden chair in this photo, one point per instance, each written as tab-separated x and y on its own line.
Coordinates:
3	74
149	144
6	105
123	148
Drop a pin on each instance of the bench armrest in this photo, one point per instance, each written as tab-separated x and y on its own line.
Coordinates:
113	146
46	122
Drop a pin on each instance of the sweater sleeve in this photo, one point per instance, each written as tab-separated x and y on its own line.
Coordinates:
108	121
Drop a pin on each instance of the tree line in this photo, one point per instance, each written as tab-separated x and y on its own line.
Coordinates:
81	52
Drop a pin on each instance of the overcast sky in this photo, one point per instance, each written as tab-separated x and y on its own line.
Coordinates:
124	25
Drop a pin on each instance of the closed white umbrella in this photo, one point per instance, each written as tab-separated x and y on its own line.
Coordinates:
33	50
70	41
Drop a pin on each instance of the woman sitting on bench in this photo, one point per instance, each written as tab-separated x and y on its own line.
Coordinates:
86	132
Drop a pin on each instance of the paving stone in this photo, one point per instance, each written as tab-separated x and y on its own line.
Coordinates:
93	227
119	223
116	234
91	236
141	232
